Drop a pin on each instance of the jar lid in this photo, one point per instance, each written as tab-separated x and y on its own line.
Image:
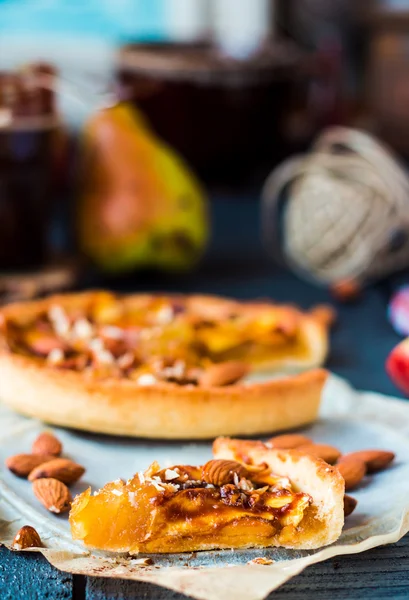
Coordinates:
205	63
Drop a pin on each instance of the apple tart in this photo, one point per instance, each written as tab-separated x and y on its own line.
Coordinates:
161	366
284	499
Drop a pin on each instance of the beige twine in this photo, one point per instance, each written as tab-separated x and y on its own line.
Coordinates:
342	210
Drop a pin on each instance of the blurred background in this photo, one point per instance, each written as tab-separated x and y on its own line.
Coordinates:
136	137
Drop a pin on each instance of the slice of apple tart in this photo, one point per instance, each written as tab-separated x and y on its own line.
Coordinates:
287	499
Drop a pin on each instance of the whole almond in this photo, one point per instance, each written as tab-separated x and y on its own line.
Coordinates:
53	494
349	505
288	441
219	471
225	373
328	453
26	537
47	443
375	460
22	464
63	469
353	470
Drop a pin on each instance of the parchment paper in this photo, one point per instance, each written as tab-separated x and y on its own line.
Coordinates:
348	420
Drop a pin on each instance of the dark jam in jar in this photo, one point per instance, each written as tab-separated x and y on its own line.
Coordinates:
28	145
224	116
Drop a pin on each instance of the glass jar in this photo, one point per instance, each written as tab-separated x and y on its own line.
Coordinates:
224	115
30	140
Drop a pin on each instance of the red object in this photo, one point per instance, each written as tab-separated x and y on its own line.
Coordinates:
397	366
346	290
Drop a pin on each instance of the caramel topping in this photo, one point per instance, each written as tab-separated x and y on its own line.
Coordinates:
180	501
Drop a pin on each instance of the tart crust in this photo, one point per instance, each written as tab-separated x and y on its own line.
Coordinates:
161	410
307	473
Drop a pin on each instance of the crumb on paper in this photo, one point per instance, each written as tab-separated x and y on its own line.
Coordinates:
143	562
114	561
261	560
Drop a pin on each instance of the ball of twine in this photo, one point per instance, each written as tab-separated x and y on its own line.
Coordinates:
346	200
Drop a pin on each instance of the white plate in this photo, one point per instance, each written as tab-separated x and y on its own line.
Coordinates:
348	420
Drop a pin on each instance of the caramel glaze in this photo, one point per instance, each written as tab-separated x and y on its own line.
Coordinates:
221	505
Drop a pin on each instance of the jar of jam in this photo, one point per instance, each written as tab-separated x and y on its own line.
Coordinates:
30	139
224	115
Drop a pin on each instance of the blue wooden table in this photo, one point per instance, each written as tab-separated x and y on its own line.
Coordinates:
236	265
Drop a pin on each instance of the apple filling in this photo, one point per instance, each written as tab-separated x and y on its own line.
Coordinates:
223	504
159	339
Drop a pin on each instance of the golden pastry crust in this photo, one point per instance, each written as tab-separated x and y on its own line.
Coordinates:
288	499
163	409
317	478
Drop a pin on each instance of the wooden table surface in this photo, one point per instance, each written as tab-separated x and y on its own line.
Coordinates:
236	266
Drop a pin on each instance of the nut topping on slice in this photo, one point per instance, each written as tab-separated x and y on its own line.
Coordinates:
22	464
47	443
220	472
52	494
171	474
66	471
26	537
